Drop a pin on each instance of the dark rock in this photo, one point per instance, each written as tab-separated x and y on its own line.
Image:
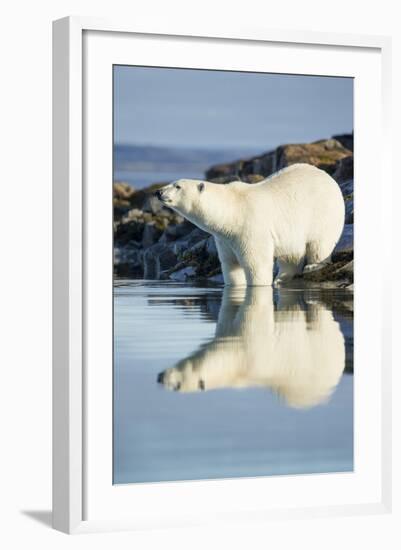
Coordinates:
346	242
126	254
201	257
223	172
156	259
253	178
223	179
184	274
346	140
151	234
344	170
129	231
344	250
177	231
217	278
342	271
194	237
347	189
127	261
211	246
349	210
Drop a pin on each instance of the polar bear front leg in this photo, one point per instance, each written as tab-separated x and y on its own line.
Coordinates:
258	266
233	273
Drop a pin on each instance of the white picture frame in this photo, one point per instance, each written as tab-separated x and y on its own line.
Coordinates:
72	424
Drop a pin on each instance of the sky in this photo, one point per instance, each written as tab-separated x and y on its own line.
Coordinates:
227	110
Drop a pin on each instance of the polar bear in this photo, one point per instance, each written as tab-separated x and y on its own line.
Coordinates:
297	350
296	216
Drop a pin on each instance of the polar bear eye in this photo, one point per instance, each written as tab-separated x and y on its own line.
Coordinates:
201	187
178	186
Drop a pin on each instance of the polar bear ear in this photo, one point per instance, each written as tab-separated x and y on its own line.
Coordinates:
201	186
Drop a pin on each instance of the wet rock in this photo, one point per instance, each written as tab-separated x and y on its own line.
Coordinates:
341	272
211	246
345	246
349	210
177	231
179	247
184	274
127	261
157	259
217	278
194	237
347	189
126	254
151	235
347	268
200	256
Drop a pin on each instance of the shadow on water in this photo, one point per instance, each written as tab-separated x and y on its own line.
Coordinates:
285	340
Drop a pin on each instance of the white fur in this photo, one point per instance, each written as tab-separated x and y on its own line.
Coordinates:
297	353
296	216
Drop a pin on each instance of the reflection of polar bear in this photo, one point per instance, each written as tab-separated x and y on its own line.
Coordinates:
296	215
298	353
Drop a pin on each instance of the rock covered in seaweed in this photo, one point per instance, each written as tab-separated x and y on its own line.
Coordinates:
324	154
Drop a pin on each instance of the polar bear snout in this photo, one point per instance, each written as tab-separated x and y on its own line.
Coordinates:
169	379
183	378
163	195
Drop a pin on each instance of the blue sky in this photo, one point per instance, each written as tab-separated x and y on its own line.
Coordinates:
217	109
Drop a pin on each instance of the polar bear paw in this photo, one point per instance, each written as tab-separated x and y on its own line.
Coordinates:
314	267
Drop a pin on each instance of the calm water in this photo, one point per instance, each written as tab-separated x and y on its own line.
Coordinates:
216	384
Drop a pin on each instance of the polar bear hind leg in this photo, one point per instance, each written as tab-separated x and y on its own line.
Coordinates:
287	271
233	273
318	255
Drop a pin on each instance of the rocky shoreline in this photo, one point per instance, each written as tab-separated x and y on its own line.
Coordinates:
153	242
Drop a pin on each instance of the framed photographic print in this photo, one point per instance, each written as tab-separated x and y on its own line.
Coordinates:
219	341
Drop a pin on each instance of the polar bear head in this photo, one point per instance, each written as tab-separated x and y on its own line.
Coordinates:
183	196
208	205
184	377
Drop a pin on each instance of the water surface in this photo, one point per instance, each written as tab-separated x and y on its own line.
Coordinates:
235	383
